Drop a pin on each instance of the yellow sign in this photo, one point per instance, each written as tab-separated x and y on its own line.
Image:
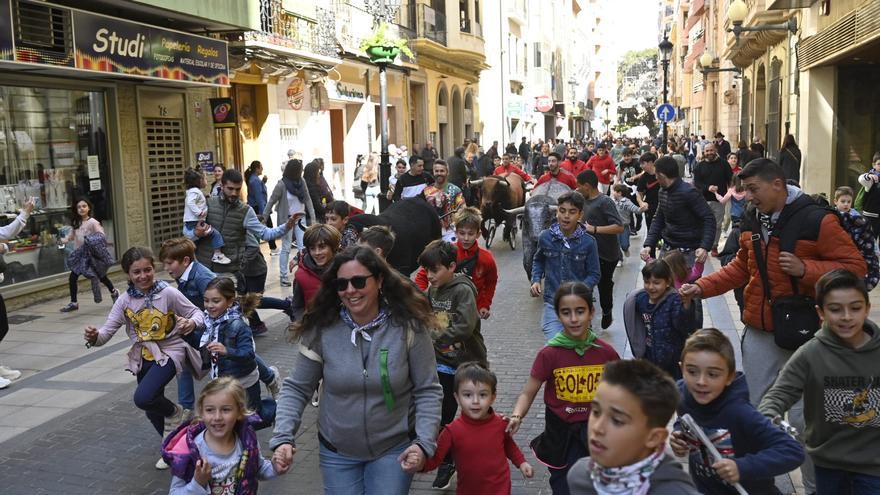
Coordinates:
577	383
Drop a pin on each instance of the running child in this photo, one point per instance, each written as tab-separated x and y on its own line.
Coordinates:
454	299
478	440
196	210
737	198
681	274
836	374
321	245
657	320
219	453
228	340
338	213
157	317
626	209
472	260
632	406
90	256
380	239
717	397
569	368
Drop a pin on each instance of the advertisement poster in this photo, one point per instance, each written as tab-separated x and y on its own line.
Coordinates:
107	44
223	112
296	92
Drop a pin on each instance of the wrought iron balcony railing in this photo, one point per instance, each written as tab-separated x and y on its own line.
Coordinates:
288	29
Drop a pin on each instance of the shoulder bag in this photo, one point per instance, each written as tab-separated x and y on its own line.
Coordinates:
795	320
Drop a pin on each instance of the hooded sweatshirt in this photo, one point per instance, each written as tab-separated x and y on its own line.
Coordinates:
760	449
668	479
841	391
459	339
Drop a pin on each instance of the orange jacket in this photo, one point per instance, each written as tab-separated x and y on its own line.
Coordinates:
822	246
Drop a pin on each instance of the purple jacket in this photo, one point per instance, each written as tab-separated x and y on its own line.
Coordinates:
92	259
180	452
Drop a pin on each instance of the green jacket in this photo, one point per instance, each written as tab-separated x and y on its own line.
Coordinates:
459	339
841	391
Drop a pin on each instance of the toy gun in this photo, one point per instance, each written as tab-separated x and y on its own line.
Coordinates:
691	428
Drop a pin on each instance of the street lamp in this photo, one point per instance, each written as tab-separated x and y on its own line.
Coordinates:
737	12
665	48
383	11
707	61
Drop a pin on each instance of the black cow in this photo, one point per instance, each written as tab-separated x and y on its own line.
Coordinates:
414	222
538	214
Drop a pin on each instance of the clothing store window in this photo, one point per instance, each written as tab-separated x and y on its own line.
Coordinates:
53	148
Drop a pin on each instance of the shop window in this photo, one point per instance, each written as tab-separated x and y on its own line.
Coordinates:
53	148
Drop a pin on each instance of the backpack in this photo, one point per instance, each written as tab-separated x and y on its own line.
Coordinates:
860	231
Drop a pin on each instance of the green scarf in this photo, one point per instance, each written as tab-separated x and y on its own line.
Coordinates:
579	346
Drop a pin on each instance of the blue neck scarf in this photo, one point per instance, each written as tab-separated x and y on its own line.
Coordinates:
136	293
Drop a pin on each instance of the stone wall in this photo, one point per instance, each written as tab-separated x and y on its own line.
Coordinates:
134	220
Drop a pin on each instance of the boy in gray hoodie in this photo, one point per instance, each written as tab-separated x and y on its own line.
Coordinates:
837	373
627	435
454	299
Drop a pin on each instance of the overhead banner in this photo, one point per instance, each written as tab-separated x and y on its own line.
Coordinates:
6	47
107	44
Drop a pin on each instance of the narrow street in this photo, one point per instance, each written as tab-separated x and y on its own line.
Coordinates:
69	426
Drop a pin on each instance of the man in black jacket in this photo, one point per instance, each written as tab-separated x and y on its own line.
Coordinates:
683	220
458	169
713	174
429	154
414	182
524	150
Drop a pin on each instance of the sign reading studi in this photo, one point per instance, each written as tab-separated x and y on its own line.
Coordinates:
223	112
107	44
6	52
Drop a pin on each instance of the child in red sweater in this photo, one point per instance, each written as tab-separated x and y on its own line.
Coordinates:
473	261
477	438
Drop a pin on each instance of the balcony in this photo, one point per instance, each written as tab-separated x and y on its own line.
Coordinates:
471	27
427	23
353	24
285	33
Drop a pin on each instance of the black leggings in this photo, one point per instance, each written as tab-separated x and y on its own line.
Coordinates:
449	405
71	282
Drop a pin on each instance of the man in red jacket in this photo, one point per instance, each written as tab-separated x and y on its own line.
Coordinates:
603	165
572	164
554	171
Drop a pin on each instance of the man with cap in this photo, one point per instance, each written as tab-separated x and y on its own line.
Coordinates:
722	146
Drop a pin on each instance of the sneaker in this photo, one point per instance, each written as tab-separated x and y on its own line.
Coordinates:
114	294
626	252
187	415
9	374
98	298
173	421
444	477
259	329
285	283
633	234
316	399
70	307
275	385
619	263
606	320
4	382
221	259
274	252
161	464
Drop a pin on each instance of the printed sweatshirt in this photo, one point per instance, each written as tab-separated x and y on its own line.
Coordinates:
841	391
760	449
458	339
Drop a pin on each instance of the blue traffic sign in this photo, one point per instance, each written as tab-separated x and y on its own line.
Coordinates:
666	112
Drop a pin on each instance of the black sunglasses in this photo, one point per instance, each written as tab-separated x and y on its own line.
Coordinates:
358	282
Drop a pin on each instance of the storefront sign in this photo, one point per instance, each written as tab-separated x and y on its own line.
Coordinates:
107	44
223	112
205	160
346	91
93	167
296	93
514	109
543	103
6	52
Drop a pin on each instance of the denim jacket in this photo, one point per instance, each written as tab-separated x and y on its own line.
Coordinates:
236	336
556	263
193	288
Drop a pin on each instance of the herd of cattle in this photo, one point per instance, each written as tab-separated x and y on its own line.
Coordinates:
415	223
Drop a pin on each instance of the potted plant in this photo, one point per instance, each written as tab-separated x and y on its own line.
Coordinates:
382	48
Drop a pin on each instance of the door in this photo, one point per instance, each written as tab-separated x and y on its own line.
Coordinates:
165	165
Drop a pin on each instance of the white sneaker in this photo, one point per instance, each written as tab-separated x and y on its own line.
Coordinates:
221	259
4	382
275	385
9	374
161	464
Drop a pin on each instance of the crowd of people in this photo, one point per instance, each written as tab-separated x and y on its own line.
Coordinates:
403	354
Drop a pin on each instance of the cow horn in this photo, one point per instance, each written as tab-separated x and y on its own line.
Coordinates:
475	182
503	183
515	211
553	207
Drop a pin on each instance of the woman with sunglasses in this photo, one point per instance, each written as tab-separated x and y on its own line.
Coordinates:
379	365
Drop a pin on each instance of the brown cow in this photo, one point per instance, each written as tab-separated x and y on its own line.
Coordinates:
500	193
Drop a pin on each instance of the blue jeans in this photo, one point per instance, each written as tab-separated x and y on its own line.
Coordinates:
265	408
839	482
149	395
344	475
266	375
186	394
215	236
284	256
623	238
550	323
